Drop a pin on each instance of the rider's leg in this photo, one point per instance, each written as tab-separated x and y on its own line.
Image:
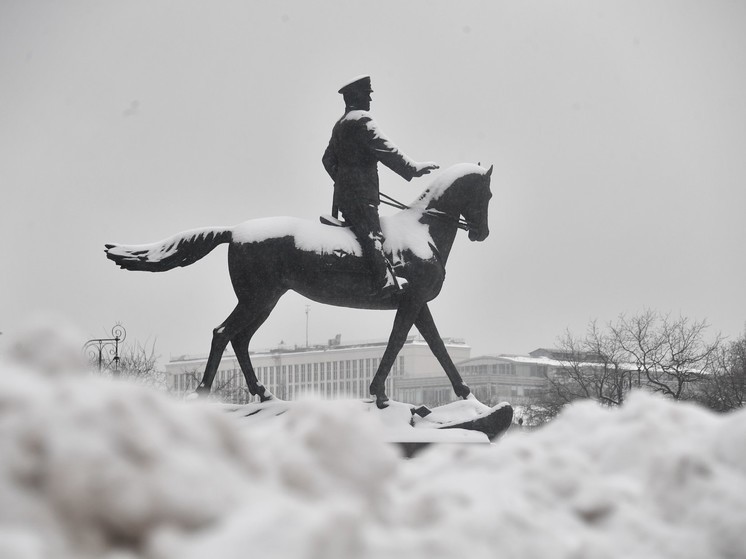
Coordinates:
365	223
391	279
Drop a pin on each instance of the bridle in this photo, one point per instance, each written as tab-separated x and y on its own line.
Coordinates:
460	223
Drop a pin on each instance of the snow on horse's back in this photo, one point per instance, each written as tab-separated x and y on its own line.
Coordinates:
310	236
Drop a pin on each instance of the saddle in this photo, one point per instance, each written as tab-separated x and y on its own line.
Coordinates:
327	219
395	282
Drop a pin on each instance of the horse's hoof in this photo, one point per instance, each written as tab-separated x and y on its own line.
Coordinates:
264	394
462	391
382	403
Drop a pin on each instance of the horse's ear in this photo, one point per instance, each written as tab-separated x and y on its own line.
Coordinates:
489	171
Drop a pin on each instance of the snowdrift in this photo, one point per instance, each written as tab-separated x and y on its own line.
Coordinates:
90	468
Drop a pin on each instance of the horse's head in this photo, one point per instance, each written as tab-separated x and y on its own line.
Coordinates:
475	211
462	195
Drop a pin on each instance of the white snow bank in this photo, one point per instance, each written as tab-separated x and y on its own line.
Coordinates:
90	468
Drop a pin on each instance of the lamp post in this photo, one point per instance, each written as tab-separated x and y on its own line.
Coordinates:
308	308
96	347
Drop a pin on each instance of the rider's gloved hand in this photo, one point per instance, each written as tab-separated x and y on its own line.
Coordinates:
425	168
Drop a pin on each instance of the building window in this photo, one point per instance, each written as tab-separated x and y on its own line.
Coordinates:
538	370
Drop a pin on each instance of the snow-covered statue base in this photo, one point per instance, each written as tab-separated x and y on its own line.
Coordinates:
466	421
268	257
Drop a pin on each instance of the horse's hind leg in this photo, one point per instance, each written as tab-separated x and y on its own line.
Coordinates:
240	343
221	335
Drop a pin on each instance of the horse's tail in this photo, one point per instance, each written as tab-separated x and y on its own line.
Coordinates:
181	249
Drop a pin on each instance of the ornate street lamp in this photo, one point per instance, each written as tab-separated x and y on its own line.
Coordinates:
97	347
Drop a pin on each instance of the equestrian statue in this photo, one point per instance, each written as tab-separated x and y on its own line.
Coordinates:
392	262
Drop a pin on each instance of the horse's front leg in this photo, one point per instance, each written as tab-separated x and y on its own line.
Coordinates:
405	316
426	325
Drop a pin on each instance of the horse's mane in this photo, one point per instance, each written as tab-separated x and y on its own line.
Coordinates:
443	181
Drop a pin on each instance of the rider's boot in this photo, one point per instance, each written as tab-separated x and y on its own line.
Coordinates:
393	283
385	280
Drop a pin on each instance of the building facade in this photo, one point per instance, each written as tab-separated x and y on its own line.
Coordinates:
492	379
333	371
346	370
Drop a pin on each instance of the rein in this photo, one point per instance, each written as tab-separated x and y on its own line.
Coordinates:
389	201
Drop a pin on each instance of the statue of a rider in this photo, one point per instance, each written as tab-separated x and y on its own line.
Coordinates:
351	159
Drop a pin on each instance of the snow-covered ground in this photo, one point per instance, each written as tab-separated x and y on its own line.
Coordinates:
94	468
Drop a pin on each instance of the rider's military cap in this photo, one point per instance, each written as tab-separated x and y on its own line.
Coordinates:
360	83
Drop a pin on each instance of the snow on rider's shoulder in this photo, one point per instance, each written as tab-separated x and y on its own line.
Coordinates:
367	119
357	115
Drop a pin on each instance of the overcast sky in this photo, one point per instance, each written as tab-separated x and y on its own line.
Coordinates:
617	131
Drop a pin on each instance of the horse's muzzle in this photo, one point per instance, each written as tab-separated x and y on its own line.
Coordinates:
479	234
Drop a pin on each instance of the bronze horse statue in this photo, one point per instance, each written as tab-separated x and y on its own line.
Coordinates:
267	257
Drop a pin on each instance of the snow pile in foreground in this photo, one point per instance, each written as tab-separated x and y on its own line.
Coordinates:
90	468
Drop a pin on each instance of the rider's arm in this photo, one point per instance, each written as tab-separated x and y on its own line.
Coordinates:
390	155
330	161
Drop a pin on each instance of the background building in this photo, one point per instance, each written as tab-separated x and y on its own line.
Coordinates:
492	379
333	371
345	371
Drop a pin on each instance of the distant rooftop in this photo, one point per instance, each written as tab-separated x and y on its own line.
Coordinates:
333	344
566	355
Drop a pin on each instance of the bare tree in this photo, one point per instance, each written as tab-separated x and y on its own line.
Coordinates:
139	363
670	355
589	368
647	350
725	389
230	390
609	372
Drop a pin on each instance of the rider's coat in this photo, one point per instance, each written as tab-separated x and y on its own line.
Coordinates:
351	158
